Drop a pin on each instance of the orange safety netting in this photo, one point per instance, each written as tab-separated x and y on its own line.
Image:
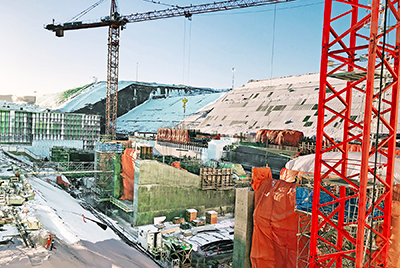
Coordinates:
128	164
279	137
274	243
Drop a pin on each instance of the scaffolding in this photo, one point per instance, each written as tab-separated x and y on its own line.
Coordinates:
329	210
108	158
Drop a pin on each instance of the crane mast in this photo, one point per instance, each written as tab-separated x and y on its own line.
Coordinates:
352	229
114	31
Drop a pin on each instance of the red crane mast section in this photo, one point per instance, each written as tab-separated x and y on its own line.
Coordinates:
351	36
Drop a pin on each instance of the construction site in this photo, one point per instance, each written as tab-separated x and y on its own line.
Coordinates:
299	171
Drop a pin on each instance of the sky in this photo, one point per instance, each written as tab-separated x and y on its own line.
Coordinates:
201	52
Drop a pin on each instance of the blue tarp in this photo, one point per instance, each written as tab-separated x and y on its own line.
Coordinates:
304	197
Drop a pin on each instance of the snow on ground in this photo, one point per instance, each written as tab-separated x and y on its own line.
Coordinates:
162	112
60	213
84	254
91	96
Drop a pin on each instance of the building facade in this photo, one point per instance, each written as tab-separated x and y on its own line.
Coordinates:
21	127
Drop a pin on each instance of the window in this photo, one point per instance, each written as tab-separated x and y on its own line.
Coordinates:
306	118
308	124
315	107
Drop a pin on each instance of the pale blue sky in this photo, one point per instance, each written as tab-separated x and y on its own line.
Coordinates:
33	59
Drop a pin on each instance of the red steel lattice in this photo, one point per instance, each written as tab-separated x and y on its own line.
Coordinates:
351	35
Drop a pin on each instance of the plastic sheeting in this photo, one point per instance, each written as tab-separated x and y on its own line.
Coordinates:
274	242
279	137
128	164
306	163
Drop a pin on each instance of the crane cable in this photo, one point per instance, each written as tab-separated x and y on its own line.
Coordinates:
84	12
273	42
377	127
184	51
190	45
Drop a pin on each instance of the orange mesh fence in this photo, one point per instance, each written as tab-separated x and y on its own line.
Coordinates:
128	175
274	242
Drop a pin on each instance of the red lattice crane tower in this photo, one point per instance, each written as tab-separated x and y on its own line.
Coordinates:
356	47
116	22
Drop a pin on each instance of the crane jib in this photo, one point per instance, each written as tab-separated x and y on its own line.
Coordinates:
177	11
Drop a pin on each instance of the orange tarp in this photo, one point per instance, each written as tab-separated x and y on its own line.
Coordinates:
177	164
279	137
290	175
274	242
394	247
128	164
258	175
179	135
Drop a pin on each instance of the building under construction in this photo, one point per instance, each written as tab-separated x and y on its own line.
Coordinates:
39	131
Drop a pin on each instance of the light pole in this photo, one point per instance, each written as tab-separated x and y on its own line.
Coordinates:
233	77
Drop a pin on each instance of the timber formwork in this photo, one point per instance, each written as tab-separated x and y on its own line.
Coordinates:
216	179
356	47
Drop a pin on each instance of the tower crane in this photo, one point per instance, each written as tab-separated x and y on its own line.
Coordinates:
116	22
335	241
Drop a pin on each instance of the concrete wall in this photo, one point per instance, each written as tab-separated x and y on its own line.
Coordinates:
167	191
253	157
243	228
